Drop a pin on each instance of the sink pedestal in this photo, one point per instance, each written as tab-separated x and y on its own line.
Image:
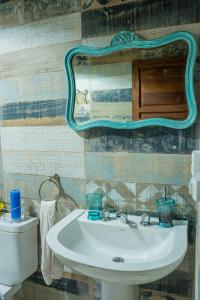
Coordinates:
119	291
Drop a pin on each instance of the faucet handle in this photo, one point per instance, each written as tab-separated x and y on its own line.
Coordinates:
146	218
109	214
118	213
121	211
105	214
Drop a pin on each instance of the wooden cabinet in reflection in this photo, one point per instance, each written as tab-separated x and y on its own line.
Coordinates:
159	89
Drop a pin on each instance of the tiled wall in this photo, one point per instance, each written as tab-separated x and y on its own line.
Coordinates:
129	167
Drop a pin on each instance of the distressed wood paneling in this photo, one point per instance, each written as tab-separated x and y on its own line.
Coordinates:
59	138
149	140
156	139
43	151
45	9
66	164
29	187
31	110
11	13
34	61
19	12
139	167
138	15
42	33
56	121
34	88
101	41
33	91
89	4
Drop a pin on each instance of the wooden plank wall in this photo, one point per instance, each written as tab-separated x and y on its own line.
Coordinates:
35	141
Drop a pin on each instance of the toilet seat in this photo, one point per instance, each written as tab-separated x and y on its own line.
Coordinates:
6	292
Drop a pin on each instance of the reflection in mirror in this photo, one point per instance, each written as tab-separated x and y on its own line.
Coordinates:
132	84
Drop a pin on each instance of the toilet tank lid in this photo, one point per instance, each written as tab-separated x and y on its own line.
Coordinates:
17	227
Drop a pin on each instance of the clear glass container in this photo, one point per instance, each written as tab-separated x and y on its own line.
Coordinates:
94	206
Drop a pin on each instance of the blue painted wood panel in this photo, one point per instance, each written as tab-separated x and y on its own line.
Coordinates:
33	109
146	140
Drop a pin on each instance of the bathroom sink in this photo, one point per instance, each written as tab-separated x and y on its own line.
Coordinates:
115	252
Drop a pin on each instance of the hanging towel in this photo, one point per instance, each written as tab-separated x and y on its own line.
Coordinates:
50	265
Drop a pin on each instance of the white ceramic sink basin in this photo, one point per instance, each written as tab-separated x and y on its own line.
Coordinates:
89	247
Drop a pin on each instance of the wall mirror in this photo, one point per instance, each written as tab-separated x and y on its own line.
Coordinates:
132	83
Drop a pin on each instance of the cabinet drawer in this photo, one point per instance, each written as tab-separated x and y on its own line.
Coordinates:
175	115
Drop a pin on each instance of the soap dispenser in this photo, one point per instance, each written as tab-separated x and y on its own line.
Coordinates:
165	208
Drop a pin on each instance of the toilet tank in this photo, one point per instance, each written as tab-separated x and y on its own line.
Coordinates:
18	250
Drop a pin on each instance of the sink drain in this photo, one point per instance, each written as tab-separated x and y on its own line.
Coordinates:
118	259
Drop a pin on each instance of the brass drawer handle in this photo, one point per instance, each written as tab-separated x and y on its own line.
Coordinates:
164	71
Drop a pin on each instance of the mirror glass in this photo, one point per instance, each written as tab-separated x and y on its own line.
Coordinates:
132	84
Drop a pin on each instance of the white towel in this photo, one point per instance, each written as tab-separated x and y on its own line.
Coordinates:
50	265
195	167
194	187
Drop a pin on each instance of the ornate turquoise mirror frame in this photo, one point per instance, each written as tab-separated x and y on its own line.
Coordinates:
121	44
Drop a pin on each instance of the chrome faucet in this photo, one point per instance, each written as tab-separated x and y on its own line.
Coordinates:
107	215
124	219
145	218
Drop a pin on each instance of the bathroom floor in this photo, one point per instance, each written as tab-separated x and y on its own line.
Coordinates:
156	295
35	291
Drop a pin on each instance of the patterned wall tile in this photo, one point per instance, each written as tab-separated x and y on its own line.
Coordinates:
143	194
184	202
115	194
147	194
133	196
122	194
97	186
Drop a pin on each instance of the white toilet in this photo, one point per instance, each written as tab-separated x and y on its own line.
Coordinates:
18	254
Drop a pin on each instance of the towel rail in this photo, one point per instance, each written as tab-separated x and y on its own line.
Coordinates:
56	180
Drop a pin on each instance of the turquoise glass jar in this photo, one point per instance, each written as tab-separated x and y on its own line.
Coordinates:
165	208
94	206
